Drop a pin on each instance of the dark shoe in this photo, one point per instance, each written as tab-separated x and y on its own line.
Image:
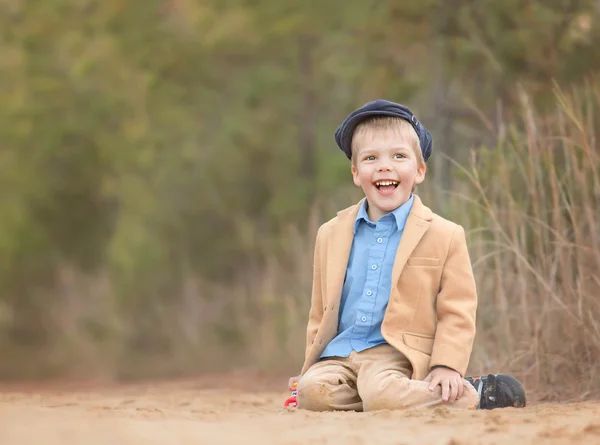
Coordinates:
498	391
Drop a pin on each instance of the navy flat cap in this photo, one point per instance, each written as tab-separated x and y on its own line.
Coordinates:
343	135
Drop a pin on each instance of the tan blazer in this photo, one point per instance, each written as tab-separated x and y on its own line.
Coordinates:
430	316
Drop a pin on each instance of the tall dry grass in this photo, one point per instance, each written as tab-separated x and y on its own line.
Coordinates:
534	216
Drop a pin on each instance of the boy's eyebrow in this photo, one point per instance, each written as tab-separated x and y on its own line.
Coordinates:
394	147
365	150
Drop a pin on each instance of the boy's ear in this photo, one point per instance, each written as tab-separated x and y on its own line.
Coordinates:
355	177
420	175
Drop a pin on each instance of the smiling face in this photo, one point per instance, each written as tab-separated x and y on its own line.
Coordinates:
386	163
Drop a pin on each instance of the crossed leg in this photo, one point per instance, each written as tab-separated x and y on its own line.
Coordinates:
375	379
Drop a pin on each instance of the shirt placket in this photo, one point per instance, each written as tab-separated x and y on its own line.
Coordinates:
366	307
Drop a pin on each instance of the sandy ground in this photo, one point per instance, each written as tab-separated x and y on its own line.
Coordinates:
224	411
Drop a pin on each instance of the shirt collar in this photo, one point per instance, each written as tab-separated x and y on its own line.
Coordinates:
400	214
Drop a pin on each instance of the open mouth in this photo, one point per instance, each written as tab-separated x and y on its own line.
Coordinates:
386	186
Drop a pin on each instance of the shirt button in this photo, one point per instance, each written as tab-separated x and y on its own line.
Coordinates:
374	266
369	293
380	240
363	318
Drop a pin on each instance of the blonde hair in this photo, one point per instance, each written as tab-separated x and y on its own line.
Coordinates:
401	127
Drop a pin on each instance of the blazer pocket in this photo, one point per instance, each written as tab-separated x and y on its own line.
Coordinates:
419	342
423	261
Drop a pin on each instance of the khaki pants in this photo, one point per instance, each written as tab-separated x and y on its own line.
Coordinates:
374	379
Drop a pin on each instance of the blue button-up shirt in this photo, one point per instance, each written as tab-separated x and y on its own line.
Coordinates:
367	286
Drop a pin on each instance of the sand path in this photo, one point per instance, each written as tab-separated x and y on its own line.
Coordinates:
218	411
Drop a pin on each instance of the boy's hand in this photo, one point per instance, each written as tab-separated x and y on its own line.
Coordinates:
450	381
292	381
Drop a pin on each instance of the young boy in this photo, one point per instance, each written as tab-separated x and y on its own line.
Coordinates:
392	317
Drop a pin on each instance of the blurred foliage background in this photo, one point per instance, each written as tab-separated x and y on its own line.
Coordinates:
164	165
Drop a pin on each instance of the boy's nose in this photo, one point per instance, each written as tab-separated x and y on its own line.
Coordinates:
384	166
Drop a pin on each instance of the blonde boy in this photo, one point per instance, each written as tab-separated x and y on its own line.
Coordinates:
393	305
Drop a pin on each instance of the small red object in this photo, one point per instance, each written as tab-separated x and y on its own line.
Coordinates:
291	400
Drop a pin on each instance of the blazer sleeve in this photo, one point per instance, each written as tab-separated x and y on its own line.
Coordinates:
456	308
316	301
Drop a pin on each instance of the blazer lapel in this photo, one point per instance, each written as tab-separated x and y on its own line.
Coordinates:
338	253
417	223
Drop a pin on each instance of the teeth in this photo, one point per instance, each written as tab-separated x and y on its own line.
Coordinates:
383	183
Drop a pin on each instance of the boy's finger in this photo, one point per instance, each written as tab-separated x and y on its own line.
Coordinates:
434	382
453	391
461	388
428	378
445	390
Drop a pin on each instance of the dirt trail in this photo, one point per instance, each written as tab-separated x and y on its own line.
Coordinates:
220	411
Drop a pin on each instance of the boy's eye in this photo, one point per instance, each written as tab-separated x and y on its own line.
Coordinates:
399	155
370	158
